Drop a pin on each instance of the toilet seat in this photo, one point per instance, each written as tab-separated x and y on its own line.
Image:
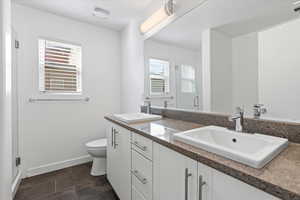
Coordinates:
99	144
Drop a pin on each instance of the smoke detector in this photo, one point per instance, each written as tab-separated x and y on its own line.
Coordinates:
101	13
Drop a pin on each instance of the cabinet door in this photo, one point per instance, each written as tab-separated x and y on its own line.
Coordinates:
136	195
122	163
204	182
142	174
225	187
119	160
110	155
174	175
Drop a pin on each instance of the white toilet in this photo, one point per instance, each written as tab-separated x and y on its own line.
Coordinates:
97	149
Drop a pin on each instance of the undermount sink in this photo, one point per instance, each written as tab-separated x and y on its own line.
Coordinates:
137	117
255	150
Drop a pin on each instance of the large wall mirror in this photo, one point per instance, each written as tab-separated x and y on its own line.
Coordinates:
218	57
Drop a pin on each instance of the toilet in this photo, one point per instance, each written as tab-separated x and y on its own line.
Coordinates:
97	149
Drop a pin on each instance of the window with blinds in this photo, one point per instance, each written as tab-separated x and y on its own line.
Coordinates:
60	67
159	77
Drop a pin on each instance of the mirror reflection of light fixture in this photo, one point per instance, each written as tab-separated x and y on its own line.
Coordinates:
101	13
159	16
296	3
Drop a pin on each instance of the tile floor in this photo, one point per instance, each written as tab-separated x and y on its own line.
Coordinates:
74	183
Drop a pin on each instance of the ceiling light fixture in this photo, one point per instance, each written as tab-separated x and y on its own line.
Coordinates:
101	13
160	15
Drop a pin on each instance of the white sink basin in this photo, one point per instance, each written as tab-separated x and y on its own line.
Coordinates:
137	117
255	150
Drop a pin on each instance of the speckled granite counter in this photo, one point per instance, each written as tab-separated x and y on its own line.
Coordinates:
281	177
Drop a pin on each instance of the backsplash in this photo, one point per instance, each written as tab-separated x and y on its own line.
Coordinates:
288	130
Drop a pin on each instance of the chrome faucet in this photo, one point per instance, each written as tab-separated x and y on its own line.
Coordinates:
259	109
238	119
165	104
148	104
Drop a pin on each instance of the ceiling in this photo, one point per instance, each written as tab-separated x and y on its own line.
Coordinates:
233	17
121	10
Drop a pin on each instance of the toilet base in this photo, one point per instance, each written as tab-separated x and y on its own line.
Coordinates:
99	167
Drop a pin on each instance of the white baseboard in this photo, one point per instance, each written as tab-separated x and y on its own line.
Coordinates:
16	183
57	165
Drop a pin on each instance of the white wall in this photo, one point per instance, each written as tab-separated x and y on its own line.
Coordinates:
221	72
55	132
230	71
279	70
265	69
176	56
5	101
245	71
206	69
132	71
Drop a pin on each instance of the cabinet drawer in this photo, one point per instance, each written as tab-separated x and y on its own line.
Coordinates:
142	145
142	174
137	195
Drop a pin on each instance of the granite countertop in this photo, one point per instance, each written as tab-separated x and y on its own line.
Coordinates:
280	177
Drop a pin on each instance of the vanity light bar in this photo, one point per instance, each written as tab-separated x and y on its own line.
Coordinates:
296	2
157	17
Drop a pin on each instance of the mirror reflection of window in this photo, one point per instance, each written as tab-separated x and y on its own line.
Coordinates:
159	77
188	82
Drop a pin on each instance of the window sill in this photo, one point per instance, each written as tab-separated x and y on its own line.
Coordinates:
160	97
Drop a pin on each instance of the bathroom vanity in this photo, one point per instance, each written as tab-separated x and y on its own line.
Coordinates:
145	163
205	69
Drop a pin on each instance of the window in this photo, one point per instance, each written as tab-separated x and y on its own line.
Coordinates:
59	67
188	83
159	77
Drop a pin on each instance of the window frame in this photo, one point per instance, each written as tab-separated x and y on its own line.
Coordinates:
41	69
193	81
159	94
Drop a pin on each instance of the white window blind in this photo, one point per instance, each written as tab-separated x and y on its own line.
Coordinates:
60	67
159	77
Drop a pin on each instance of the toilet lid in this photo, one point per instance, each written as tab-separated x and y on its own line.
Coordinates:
97	143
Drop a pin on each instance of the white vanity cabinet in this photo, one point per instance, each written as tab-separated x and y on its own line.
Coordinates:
136	195
203	182
226	187
140	169
119	160
174	175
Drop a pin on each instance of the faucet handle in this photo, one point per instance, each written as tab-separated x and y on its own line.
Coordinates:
259	109
232	118
165	104
258	105
263	110
239	110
